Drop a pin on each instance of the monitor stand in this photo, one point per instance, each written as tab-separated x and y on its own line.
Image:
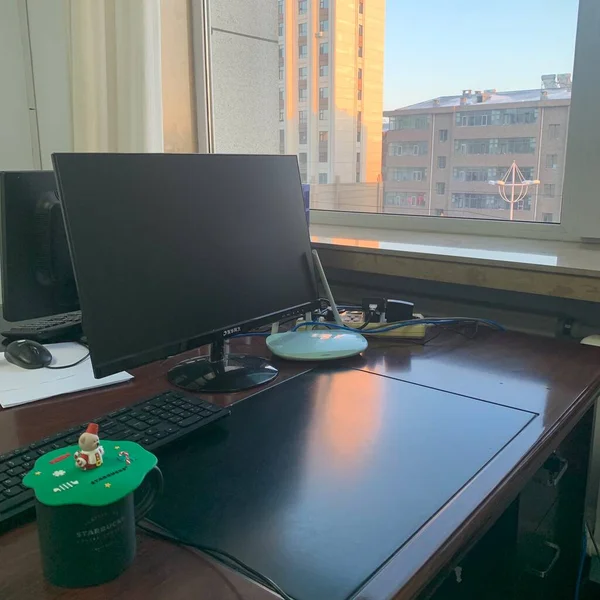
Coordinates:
221	372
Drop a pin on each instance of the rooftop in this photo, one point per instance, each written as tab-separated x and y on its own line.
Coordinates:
489	97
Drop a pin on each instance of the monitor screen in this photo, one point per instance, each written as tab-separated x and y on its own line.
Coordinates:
170	249
37	274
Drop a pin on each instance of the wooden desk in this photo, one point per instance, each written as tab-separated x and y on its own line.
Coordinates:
557	380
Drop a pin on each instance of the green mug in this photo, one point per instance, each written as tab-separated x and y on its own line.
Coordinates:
87	516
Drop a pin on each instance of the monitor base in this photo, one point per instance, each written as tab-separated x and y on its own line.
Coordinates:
233	373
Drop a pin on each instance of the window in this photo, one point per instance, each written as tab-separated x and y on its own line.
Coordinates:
302	159
280	115
302	136
417	175
302	29
554	131
359	74
358	160
324	71
551	161
486	174
547	218
323	115
323	136
443	135
404	199
281	141
491	202
280	51
281	96
302	50
358	135
360	52
324	4
324	25
441	162
280	29
322	178
323	92
302	7
302	73
440	188
281	73
549	190
359	95
495	146
404	148
303	117
361	7
407	174
302	94
322	156
400	122
324	48
280	7
360	30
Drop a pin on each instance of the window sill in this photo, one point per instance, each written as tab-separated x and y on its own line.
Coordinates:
550	268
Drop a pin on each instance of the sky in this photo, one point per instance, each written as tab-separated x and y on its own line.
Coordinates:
440	47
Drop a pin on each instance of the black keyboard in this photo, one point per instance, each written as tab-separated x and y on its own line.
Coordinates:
151	423
48	329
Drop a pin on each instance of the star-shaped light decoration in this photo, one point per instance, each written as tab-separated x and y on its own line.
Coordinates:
107	485
117	447
59	473
38	473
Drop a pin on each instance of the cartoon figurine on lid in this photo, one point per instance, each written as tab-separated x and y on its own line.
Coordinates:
89	456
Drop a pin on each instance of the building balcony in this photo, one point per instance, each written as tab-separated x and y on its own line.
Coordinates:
409	135
407	160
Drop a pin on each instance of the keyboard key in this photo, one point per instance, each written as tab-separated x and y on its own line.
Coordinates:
139	425
72	440
3	467
15	462
16	471
175	419
189	421
29	457
136	437
13	491
9	503
27	466
147	441
151	431
123	418
153	421
9	483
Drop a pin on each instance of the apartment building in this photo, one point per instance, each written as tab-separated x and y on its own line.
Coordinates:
440	156
331	88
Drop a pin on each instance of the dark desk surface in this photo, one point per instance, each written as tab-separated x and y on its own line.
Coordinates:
556	380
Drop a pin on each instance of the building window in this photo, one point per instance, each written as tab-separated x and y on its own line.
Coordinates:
441	162
547	217
281	95
551	161
324	4
487	202
358	160
281	141
302	159
323	92
281	73
495	146
302	94
417	175
302	117
404	199
280	115
358	135
440	188
324	115
324	48
553	131
420	122
549	190
302	137
361	7
359	95
443	135
360	73
280	7
302	50
302	7
323	155
324	71
280	29
324	25
407	174
280	51
357	176
404	148
485	174
302	29
360	51
322	178
323	136
302	73
360	30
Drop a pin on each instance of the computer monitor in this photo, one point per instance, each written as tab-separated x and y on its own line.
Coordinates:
175	251
37	274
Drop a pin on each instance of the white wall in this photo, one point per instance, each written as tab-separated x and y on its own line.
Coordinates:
35	105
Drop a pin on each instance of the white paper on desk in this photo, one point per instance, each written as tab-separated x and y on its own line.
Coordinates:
19	386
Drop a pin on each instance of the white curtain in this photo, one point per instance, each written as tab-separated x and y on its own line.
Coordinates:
116	75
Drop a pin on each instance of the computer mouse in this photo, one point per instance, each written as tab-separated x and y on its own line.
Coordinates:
591	340
27	354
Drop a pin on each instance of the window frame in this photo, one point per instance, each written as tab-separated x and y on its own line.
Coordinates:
580	214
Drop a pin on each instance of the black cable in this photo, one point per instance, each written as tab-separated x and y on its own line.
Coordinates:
74	364
371	315
231	561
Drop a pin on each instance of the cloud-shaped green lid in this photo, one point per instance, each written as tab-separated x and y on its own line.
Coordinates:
57	481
